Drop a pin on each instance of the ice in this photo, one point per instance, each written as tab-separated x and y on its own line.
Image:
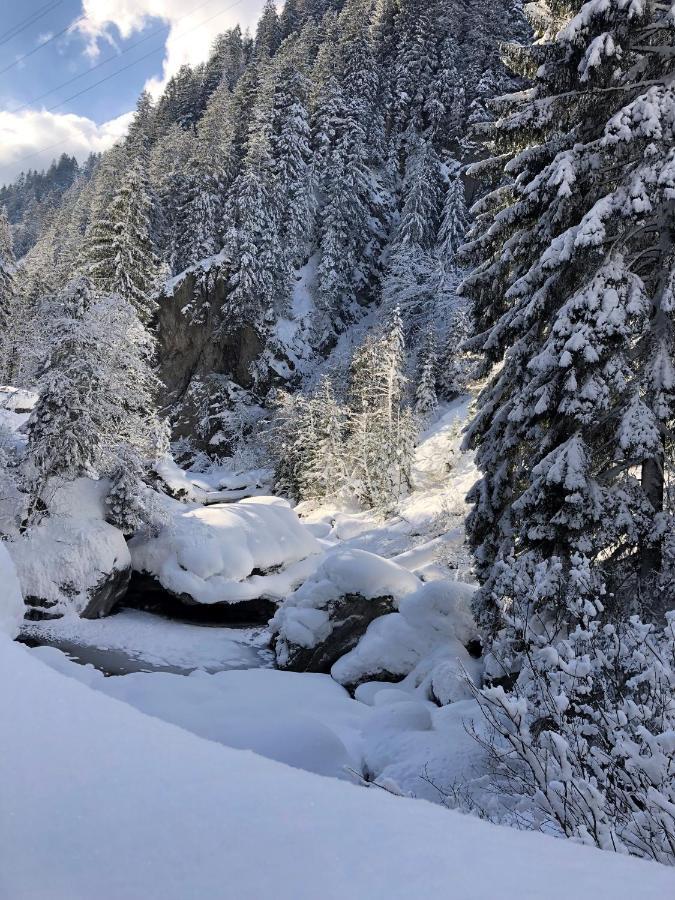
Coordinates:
139	640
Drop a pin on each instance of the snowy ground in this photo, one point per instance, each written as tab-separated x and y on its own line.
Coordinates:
390	734
143	785
112	804
427	534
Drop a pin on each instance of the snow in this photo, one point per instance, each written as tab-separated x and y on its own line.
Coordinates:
427	533
11	600
304	618
112	803
424	641
175	478
358	572
225	553
15	409
198	269
66	556
135	640
294	332
62	560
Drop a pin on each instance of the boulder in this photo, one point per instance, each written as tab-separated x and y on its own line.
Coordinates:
68	566
148	593
228	562
347	618
328	615
428	647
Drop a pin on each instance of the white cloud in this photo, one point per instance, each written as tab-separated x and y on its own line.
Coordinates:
52	135
32	139
193	25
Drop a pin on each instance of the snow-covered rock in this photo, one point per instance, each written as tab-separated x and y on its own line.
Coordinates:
228	555
72	566
11	599
73	562
325	618
425	642
15	409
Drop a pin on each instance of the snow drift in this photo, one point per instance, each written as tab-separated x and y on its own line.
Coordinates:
130	807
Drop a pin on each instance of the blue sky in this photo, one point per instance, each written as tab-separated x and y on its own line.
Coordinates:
145	42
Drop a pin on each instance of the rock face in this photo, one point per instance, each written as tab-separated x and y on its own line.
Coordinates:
145	592
348	619
206	368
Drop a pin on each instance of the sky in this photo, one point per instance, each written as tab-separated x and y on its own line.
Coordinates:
127	45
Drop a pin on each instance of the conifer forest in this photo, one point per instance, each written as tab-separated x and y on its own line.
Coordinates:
337	467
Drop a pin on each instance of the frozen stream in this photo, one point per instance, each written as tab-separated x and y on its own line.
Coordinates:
134	641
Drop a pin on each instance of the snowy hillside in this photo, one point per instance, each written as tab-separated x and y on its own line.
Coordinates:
129	807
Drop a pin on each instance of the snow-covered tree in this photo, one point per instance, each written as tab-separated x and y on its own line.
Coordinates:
119	257
426	399
294	180
207	177
97	398
381	426
584	744
8	301
268	35
573	296
454	222
308	442
422	190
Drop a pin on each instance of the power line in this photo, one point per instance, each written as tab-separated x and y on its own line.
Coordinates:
91	69
104	62
139	60
44	43
113	75
28	21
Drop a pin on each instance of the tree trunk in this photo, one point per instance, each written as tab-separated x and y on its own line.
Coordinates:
653	486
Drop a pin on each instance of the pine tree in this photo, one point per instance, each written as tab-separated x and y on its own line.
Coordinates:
290	19
422	190
454	222
415	284
259	281
381	426
268	34
573	292
173	181
8	301
119	257
308	442
426	400
209	175
294	178
97	399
